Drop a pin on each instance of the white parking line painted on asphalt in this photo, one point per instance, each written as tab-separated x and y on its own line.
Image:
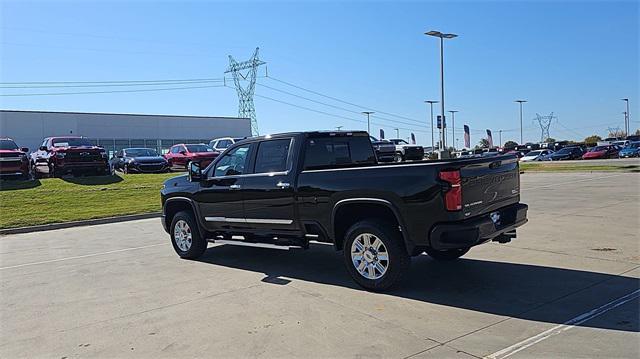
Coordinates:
575	181
509	351
82	256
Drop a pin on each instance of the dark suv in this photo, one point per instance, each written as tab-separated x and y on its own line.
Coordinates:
62	155
13	160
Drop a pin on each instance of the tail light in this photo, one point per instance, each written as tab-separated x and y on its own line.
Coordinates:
452	197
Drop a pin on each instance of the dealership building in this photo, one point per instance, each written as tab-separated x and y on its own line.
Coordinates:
115	131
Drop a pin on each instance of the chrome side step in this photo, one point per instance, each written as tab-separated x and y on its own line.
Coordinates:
250	244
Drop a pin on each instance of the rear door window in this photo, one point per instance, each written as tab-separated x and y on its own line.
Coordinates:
272	156
338	151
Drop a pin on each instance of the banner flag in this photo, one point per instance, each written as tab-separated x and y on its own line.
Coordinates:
413	139
381	134
489	138
467	137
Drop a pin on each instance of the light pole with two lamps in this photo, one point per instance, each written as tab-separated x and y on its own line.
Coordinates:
442	36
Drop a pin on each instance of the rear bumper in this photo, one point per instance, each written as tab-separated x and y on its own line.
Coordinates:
479	229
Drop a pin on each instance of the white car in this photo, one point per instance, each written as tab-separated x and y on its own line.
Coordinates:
222	143
536	155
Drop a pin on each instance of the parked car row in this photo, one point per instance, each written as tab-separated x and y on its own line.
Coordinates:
605	151
75	155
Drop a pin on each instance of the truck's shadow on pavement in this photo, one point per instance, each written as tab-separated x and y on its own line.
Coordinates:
521	291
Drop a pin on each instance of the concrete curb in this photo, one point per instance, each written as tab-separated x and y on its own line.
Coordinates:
88	222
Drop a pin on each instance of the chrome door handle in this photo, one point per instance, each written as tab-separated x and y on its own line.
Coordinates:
283	185
235	186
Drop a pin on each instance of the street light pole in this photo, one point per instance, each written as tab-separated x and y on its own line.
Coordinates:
627	117
442	37
521	102
368	122
431	102
453	126
500	138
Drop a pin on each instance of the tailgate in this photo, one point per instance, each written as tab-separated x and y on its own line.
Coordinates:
489	184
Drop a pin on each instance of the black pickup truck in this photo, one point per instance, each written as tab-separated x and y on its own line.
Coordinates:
291	188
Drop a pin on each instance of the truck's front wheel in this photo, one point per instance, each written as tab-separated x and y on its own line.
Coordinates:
185	236
446	254
374	255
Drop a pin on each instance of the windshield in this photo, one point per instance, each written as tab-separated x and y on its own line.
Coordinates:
199	148
634	145
71	142
599	148
534	153
399	142
141	152
8	145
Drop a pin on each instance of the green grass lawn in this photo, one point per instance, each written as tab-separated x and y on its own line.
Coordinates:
54	200
559	166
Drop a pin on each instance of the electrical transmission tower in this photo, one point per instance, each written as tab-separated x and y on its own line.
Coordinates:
246	71
545	123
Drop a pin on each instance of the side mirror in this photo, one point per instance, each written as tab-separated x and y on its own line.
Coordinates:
183	152
195	172
42	148
24	149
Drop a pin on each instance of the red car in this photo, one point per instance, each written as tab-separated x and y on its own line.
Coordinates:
601	152
13	160
180	155
58	156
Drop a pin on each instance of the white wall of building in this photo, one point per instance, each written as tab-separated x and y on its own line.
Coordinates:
28	128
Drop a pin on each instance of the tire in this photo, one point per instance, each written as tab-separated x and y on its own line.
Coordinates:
447	254
375	274
34	173
185	237
53	173
398	157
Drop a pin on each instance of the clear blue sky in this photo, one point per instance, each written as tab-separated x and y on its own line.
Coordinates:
576	59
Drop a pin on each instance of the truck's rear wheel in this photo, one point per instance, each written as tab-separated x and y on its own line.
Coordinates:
446	254
185	237
375	256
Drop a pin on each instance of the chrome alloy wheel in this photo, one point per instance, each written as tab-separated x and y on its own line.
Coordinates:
182	235
369	256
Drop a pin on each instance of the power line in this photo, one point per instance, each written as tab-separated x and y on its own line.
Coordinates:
111	85
342	101
109	82
329	114
330	105
112	91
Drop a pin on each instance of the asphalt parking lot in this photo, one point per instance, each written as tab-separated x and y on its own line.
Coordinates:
566	287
